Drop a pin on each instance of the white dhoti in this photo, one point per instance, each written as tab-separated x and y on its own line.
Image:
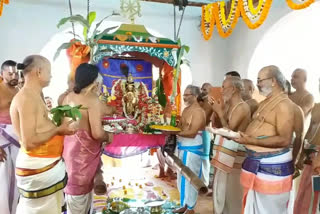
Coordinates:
8	188
79	204
227	190
190	151
50	204
40	192
267	181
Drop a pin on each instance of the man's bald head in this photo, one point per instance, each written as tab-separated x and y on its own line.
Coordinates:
299	78
38	68
235	82
231	86
301	73
33	62
206	87
248	89
248	84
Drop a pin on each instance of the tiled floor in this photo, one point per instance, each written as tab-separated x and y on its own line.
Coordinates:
134	168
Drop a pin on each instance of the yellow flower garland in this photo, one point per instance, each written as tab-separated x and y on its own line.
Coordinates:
296	6
255	11
247	10
263	14
207	19
225	27
1	5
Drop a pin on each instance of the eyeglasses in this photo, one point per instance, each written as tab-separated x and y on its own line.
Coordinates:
261	80
226	87
185	95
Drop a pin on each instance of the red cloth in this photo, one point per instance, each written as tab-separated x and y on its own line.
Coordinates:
126	145
167	81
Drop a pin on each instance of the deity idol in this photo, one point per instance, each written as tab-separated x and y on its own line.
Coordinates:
130	99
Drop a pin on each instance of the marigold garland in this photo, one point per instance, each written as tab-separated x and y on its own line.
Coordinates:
255	11
296	6
225	27
1	5
261	15
207	21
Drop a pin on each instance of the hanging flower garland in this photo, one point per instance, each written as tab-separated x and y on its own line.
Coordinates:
255	11
301	5
226	26
1	5
254	17
207	21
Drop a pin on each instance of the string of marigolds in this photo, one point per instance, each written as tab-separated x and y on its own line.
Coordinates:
214	14
207	21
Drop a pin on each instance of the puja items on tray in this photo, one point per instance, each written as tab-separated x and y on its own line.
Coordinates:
114	124
118	124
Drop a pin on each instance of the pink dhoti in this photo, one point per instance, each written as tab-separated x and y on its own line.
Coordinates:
82	158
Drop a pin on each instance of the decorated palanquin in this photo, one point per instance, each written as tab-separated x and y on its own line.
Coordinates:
135	42
133	91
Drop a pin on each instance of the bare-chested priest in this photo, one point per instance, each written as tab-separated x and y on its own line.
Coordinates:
229	155
307	200
247	95
205	90
301	96
9	145
40	171
84	147
298	129
190	147
267	171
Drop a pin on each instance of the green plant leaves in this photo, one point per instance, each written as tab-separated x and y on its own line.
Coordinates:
61	112
106	31
89	40
75	19
160	93
95	31
90	19
180	54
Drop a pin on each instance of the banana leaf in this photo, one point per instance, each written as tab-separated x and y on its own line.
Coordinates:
95	31
180	53
100	35
75	35
90	18
160	93
75	19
